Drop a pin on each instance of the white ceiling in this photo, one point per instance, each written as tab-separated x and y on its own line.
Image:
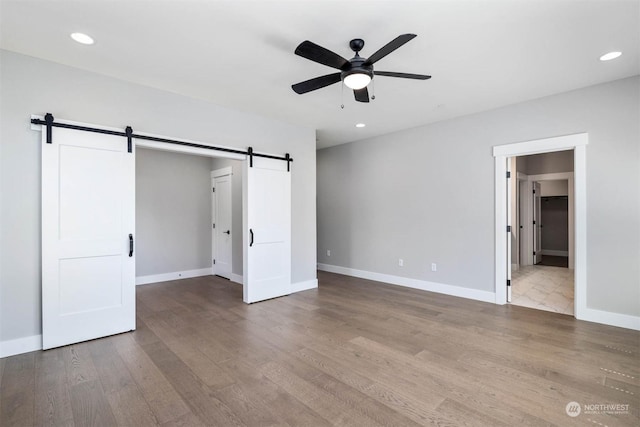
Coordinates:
482	54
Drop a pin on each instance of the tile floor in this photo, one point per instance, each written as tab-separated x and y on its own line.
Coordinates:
544	288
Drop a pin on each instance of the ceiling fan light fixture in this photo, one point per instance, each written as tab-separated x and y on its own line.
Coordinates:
357	81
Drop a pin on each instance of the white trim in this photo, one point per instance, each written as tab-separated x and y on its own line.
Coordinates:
176	275
222	172
500	165
537	146
579	240
610	318
578	143
515	267
558	176
441	288
20	345
553	252
304	286
236	278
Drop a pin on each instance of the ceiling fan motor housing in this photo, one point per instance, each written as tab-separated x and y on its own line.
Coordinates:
356	65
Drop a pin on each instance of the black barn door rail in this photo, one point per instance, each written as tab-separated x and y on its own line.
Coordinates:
128	133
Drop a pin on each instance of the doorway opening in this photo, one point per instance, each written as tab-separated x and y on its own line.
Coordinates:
541	256
506	210
174	216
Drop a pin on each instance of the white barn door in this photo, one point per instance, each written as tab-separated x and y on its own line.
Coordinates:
88	231
267	225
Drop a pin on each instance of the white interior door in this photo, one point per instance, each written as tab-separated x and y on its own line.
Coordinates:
523	203
222	226
537	224
267	225
88	227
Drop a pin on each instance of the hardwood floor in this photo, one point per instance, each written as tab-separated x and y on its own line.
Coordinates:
353	352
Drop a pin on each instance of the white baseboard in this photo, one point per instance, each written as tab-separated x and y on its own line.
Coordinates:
456	291
553	252
20	345
610	318
177	275
304	286
515	267
236	278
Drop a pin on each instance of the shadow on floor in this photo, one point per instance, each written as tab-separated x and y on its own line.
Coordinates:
554	261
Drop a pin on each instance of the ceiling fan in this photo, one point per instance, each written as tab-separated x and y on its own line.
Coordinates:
356	73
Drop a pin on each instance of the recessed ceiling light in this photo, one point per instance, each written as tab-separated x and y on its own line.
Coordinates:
609	56
360	125
82	38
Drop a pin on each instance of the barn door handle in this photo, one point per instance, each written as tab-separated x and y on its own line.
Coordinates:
251	232
130	245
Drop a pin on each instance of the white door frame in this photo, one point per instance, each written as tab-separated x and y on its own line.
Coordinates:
509	219
228	171
501	153
562	176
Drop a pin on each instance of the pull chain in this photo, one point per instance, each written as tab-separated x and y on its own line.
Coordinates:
373	89
342	95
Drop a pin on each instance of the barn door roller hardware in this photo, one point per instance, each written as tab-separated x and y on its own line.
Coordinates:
49	122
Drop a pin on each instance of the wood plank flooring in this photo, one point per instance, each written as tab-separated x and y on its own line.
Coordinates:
353	352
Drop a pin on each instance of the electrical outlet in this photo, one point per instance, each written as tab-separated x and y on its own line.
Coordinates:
328	252
401	262
434	266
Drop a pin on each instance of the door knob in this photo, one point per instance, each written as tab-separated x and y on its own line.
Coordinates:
227	232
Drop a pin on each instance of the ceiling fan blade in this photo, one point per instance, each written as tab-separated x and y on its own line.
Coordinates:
318	54
388	48
402	75
317	83
362	95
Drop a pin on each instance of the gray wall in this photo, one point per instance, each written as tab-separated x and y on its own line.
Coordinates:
558	187
173	212
236	210
33	86
427	194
